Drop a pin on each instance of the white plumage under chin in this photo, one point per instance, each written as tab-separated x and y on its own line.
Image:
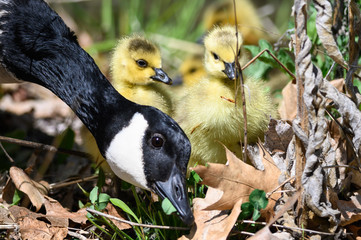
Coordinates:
125	154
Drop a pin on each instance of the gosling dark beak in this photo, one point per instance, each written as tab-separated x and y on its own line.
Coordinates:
230	70
175	190
161	76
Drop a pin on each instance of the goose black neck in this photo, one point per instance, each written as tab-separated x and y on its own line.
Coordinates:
37	46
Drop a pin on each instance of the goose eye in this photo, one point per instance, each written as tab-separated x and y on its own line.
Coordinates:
157	141
216	57
142	63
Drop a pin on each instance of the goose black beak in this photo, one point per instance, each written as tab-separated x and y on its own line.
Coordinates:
230	70
161	76
175	190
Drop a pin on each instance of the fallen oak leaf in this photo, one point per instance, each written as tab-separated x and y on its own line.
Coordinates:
237	180
55	211
52	225
212	224
32	227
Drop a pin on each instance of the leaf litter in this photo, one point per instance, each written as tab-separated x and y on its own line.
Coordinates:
329	192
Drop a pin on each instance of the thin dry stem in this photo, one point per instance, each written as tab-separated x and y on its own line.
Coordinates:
240	86
274	57
133	223
77	235
43	147
6	154
287	227
65	184
275	189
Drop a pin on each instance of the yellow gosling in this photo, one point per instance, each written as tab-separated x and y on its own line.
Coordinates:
208	113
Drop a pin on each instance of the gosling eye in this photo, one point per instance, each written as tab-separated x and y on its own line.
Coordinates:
142	63
216	57
157	140
192	70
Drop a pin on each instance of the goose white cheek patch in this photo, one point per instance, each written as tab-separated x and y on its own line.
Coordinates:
125	153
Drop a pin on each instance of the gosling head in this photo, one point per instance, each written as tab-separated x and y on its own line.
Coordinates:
221	50
192	69
138	61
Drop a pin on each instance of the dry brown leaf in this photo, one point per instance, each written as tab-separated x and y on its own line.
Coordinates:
324	30
5	216
265	233
279	135
25	184
52	225
237	180
356	230
111	210
212	224
43	108
32	227
339	84
288	105
56	212
350	210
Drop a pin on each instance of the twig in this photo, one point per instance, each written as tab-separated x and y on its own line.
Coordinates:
274	57
78	230
239	74
9	226
329	71
286	227
133	223
43	147
6	153
77	235
65	184
242	232
338	166
275	189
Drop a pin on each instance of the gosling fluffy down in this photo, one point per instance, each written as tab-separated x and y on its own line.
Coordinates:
136	71
221	13
208	113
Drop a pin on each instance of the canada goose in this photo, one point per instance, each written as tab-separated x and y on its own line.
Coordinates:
141	144
221	13
207	113
137	74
